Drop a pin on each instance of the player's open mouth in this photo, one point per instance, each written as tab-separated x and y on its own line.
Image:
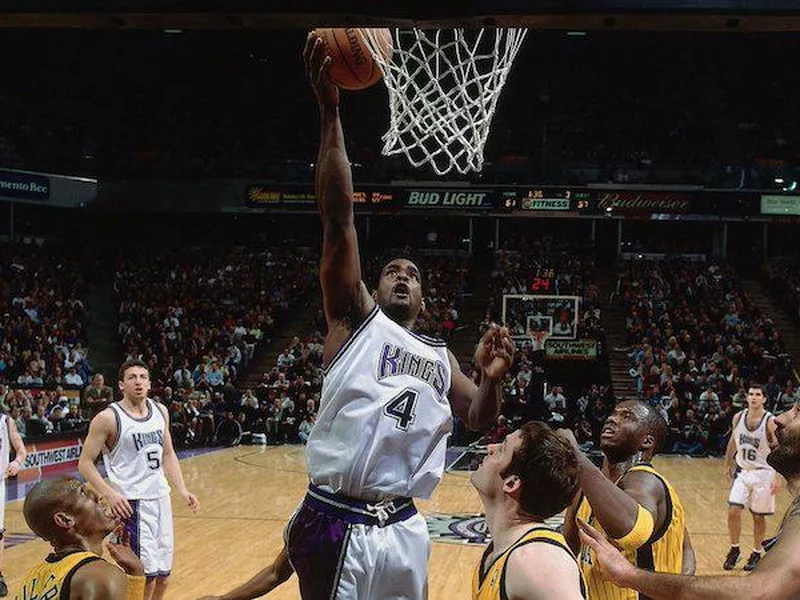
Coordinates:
401	289
607	431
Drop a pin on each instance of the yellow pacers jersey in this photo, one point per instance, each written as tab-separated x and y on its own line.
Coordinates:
49	580
491	585
663	551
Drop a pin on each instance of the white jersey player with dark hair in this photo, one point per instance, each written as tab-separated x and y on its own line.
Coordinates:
754	481
9	440
133	437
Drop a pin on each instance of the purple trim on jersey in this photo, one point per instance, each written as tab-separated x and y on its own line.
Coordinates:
132	525
317	545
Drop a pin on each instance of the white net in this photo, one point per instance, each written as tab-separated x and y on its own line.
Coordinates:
443	89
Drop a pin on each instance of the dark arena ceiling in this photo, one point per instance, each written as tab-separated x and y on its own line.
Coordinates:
664	15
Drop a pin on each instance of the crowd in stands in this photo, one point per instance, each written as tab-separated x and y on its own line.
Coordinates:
696	342
783	279
197	315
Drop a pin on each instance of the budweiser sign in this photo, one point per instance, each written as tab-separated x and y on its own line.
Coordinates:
644	201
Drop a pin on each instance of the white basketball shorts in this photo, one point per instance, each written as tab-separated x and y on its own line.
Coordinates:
340	550
151	535
2	505
752	487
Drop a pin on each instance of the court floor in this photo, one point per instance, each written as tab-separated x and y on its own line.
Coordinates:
248	493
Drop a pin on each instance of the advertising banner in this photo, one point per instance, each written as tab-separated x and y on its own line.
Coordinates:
643	202
50	456
28	186
463	199
780	205
571	349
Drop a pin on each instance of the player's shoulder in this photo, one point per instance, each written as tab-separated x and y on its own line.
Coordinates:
105	418
99	577
541	565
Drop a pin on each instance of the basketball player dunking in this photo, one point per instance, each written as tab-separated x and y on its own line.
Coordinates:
133	437
629	500
754	483
387	402
9	440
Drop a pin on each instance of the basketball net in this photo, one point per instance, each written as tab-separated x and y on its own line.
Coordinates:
443	89
538	340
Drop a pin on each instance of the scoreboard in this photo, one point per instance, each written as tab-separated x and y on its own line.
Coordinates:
548	199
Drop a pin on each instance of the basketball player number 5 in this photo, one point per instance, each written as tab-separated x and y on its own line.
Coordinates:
152	460
401	408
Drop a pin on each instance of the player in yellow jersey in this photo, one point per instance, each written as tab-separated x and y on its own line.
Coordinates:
629	500
528	478
67	514
777	575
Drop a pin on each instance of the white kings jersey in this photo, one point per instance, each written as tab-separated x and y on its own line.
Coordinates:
5	448
384	415
134	464
752	446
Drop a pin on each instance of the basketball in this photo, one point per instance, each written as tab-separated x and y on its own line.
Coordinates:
353	67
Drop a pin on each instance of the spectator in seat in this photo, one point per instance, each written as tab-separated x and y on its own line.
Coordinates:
73	378
304	430
97	396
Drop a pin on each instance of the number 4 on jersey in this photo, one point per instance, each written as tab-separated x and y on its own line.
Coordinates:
401	408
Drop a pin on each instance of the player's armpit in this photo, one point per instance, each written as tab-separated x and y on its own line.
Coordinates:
542	571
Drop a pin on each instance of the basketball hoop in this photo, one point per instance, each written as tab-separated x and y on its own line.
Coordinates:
443	89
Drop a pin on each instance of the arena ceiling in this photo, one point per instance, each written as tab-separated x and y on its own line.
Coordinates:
662	15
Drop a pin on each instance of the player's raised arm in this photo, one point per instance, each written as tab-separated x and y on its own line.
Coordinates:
346	299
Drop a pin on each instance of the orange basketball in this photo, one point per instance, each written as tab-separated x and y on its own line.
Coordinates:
353	67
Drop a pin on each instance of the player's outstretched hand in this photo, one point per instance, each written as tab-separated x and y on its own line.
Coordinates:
495	352
191	500
318	65
613	565
123	555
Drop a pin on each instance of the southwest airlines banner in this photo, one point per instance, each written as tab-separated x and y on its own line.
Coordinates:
571	349
50	456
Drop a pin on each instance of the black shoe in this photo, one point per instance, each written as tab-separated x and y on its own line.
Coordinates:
731	559
3	587
752	561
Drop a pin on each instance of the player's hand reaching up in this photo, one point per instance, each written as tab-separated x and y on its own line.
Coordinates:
318	65
123	555
495	352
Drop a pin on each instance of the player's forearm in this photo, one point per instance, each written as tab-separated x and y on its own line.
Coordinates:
334	180
687	587
263	583
20	452
172	469
614	509
485	404
93	476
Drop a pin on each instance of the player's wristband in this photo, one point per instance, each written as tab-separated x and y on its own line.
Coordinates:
641	532
135	588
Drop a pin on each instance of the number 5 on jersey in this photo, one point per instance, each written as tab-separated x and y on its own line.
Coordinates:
401	408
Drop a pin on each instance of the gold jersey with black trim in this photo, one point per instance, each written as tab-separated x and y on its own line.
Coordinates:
50	579
488	583
663	552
